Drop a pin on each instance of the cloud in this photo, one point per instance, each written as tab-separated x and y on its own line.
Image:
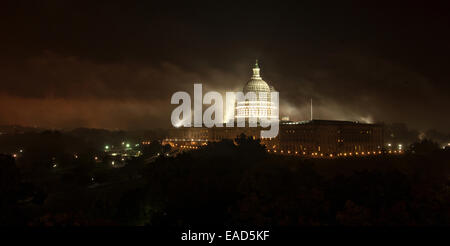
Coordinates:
52	90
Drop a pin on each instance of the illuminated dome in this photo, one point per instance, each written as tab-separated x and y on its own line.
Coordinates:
256	83
262	107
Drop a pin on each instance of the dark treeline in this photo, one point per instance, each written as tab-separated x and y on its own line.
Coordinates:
229	183
13	138
399	133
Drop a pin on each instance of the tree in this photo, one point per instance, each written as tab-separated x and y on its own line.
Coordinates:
425	146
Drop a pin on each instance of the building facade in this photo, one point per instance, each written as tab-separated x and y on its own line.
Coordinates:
316	138
329	138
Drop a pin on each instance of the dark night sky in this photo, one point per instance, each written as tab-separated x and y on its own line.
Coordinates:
116	65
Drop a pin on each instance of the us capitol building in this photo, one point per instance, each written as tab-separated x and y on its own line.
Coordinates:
312	138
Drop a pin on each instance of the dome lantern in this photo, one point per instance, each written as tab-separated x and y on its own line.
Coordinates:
256	71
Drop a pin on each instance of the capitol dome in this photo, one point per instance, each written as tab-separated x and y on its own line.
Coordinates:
261	106
256	83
